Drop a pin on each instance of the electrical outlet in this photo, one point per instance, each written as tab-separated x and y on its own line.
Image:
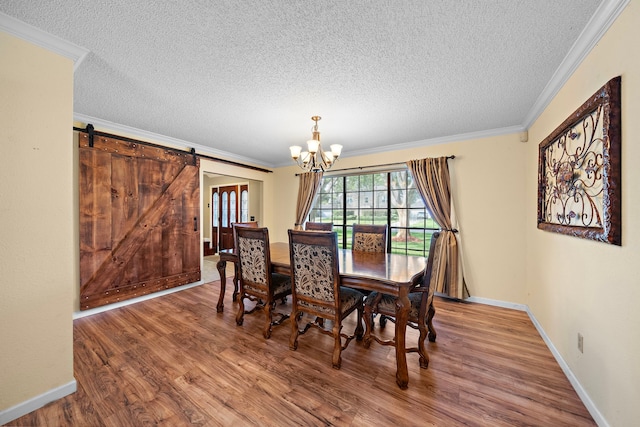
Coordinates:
580	342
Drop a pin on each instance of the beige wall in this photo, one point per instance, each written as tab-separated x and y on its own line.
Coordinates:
571	285
488	187
575	285
39	226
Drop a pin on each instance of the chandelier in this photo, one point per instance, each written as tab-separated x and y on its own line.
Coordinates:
315	159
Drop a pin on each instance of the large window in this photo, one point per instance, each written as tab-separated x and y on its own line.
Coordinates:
389	198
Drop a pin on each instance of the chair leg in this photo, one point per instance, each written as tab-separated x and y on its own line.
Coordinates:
424	356
383	321
266	332
240	315
337	346
236	279
432	330
359	329
368	323
295	331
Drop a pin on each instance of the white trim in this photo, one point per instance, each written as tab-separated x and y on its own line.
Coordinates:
597	26
125	130
442	140
37	402
426	142
34	35
588	403
586	400
92	311
497	303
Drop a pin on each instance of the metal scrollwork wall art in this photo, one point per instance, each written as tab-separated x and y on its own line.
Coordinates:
579	190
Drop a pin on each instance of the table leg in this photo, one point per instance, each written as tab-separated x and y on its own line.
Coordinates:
222	267
402	316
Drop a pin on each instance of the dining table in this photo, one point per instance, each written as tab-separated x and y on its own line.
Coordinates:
392	274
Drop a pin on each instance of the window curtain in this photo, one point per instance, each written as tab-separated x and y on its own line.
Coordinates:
431	177
307	191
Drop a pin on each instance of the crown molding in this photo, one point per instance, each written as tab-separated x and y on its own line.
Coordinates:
34	35
129	131
442	140
432	141
597	26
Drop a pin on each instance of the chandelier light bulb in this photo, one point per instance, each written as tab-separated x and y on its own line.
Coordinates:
313	145
295	151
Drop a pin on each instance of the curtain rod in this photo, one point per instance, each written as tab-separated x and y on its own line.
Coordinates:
91	132
374	166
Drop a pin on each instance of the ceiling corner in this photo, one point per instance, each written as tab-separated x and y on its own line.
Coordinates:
43	39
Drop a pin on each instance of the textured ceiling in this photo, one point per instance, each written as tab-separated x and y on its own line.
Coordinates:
244	77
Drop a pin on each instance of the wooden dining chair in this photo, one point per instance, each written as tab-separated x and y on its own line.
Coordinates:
317	292
257	281
369	238
318	226
236	277
421	312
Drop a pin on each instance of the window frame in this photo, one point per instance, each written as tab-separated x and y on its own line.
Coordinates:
372	203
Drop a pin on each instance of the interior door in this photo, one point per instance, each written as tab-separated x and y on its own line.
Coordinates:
215	218
228	214
139	219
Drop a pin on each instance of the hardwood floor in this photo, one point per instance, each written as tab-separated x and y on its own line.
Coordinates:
175	361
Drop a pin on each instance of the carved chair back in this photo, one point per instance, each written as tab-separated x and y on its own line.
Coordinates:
234	225
369	238
318	226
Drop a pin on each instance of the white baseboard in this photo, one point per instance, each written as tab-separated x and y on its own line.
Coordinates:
17	411
497	303
586	400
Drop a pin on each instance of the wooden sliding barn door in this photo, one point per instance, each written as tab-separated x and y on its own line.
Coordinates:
139	220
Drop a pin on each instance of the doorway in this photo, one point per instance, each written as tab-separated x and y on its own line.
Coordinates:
229	205
228	199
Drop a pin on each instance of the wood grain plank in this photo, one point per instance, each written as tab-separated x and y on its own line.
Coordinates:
192	225
175	361
95	218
